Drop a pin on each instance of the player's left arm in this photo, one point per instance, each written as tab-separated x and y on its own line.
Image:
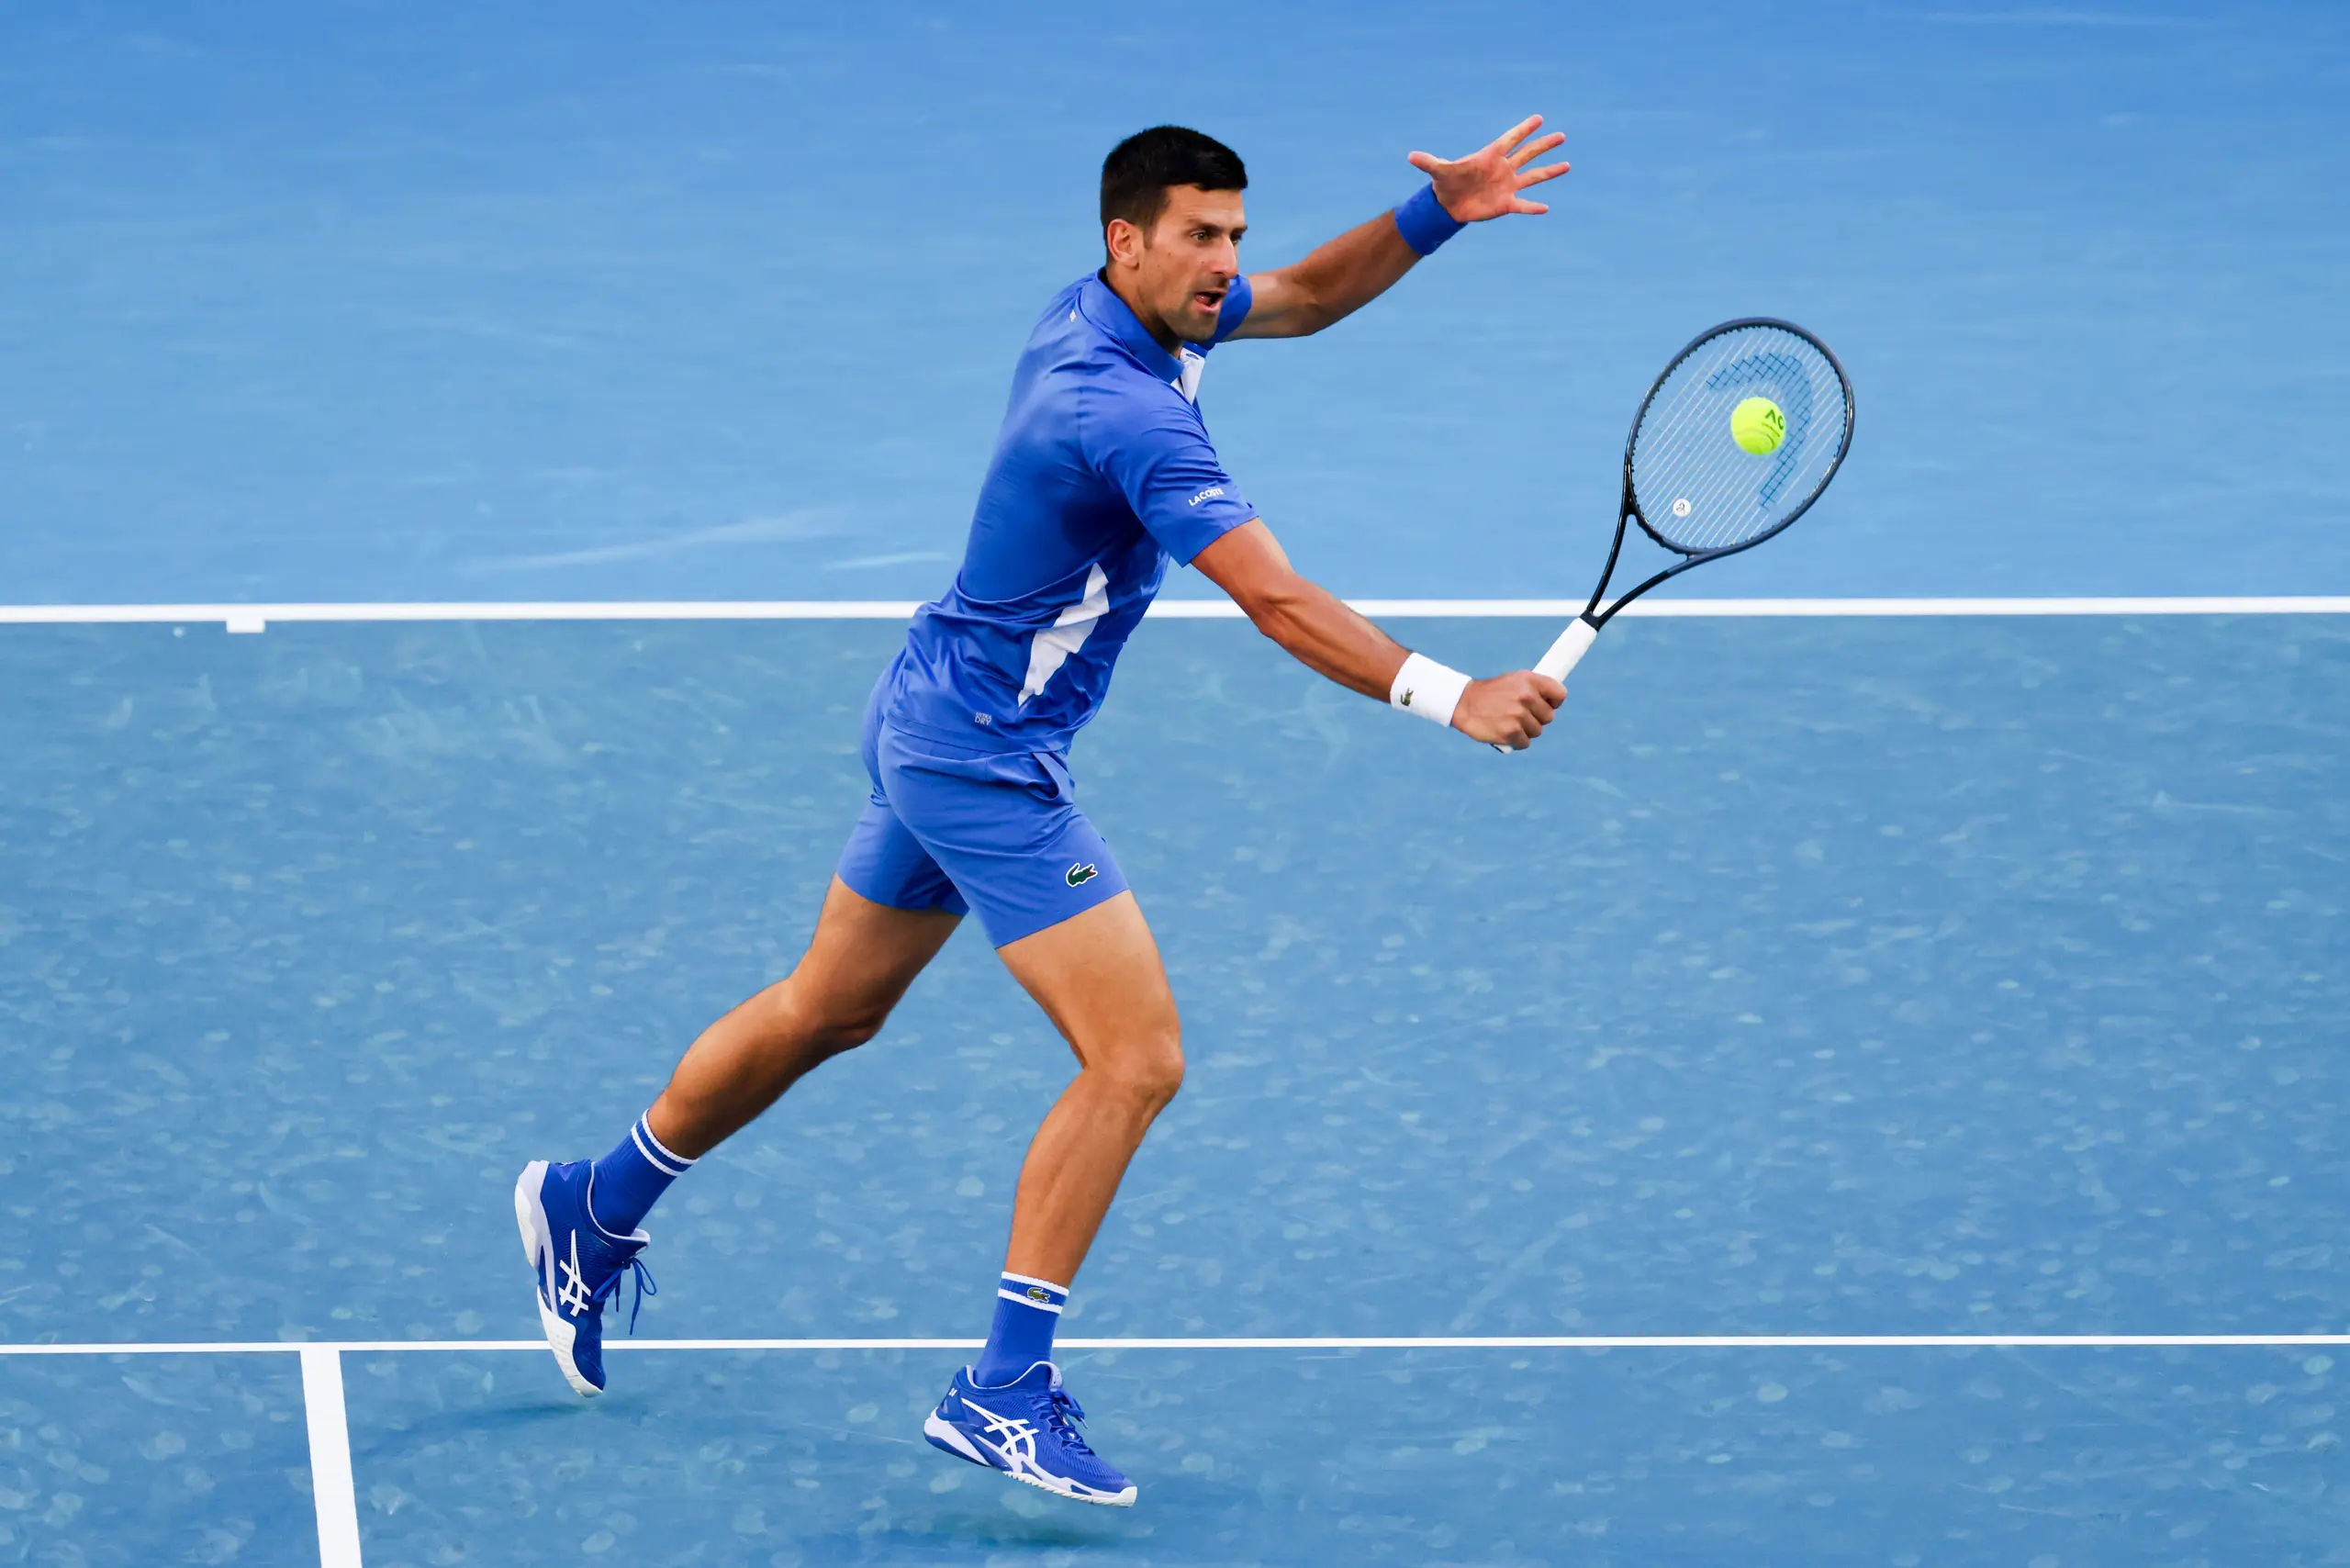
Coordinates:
1350	272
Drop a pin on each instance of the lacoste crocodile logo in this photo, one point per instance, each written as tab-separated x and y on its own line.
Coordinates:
1080	875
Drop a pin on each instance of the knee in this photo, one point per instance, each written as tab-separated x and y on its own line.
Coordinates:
829	1028
848	1032
1149	1072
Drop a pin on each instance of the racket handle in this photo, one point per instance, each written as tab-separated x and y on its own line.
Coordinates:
1564	655
1568	651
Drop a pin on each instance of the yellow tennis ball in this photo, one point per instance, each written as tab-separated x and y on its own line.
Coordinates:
1757	426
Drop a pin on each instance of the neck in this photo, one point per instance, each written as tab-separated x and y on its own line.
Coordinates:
1160	334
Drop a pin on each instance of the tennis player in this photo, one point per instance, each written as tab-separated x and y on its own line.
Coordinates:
1103	473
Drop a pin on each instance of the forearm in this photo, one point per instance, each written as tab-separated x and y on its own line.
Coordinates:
1320	632
1314	626
1342	276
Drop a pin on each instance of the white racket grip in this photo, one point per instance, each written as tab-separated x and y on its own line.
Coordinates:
1564	655
1568	651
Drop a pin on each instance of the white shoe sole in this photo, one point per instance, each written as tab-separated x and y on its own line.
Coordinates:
951	1437
538	1250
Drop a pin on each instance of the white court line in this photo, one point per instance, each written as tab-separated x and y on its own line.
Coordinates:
338	1508
257	617
331	1490
336	1500
1303	1342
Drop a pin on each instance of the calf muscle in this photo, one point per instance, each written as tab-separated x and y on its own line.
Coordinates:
857	966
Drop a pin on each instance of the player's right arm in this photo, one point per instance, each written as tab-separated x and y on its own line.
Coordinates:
1315	627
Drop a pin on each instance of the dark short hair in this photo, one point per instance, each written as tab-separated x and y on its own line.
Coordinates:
1135	176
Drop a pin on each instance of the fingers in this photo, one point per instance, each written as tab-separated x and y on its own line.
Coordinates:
1536	176
1428	162
1512	710
1536	703
1514	134
1533	150
1539	704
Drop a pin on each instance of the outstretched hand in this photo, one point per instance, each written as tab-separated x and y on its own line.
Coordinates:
1486	184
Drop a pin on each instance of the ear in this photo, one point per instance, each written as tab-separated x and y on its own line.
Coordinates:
1125	242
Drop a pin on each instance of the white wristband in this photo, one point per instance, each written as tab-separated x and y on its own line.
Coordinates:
1428	689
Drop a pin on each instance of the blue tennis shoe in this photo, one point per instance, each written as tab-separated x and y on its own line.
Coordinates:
1028	1429
578	1265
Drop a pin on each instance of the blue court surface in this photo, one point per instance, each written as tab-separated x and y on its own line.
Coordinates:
1865	1090
1958	976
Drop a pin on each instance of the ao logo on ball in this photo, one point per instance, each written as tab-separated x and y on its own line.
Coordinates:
1757	426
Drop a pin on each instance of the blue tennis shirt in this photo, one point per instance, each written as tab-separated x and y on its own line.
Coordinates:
1102	474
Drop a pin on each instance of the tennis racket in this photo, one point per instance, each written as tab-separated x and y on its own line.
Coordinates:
1733	442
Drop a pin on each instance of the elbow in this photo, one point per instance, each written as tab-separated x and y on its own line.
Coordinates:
1272	610
1310	308
1317	315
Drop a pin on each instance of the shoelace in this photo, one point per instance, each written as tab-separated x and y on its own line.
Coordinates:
1062	1412
610	1289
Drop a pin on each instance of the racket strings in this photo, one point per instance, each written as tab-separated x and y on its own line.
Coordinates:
1722	495
1732	494
1722	378
1732	475
1698	488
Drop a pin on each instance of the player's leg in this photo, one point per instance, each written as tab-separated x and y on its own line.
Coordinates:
857	966
885	916
1005	827
1099	977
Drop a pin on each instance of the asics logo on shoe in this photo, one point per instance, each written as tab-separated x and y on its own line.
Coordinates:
574	1296
1077	876
1013	1438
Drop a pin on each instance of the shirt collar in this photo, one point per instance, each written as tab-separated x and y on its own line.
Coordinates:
1113	314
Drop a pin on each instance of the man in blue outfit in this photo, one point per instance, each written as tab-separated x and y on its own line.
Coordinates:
1103	473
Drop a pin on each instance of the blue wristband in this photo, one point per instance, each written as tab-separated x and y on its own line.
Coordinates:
1424	223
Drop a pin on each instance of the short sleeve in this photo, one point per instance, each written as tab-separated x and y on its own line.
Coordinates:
1158	456
1237	300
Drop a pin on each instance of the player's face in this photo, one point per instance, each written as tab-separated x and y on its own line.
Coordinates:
1190	259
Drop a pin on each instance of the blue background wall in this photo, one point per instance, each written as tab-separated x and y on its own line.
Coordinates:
434	301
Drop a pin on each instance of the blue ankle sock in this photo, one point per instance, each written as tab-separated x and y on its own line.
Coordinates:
1026	1312
626	1180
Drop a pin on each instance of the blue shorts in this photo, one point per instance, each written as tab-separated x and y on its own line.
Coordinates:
955	828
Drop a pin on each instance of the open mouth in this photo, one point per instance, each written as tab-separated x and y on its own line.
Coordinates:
1209	300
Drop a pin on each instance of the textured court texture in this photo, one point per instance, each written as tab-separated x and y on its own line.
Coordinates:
1849	977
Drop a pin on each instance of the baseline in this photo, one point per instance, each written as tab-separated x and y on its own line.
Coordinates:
307	1348
251	617
335	1495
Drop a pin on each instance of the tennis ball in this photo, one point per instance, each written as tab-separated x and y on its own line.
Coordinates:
1757	426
